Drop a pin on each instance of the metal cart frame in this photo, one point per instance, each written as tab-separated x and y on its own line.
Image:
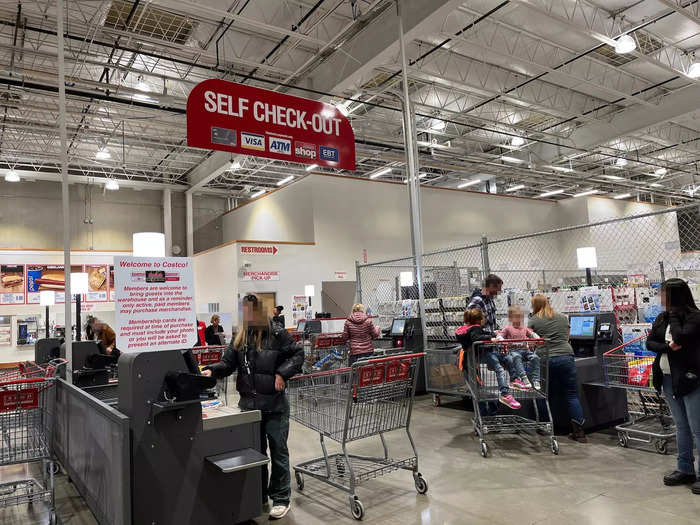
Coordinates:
483	387
370	398
650	421
326	351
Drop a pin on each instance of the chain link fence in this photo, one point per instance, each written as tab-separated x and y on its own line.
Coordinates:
637	250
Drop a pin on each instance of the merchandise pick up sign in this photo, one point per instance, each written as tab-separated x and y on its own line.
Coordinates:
247	120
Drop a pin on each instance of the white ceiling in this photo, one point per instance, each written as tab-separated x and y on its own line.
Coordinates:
480	73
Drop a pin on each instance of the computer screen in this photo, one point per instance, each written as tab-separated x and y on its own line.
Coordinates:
582	326
301	326
397	326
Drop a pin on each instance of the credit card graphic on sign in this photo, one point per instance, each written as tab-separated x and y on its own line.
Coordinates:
252	141
226	137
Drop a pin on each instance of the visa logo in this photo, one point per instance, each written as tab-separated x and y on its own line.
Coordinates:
253	141
329	154
279	145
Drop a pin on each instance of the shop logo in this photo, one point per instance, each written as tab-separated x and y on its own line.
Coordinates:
305	150
253	141
281	146
329	154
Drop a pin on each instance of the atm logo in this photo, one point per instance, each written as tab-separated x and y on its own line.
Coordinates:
305	150
329	154
253	141
281	146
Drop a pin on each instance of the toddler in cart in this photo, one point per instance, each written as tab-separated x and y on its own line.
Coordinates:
472	331
522	356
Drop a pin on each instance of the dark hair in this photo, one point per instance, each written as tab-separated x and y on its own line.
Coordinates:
279	307
678	295
473	316
252	298
492	280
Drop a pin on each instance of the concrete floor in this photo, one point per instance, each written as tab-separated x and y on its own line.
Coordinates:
522	482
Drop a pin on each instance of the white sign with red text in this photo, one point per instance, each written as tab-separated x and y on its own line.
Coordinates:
154	303
341	276
261	276
259	250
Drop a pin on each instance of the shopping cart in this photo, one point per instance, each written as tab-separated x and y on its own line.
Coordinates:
208	355
26	430
29	370
649	418
327	351
442	376
369	399
483	386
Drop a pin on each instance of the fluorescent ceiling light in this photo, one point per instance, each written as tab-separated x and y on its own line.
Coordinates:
258	193
613	177
622	196
584	193
438	125
235	165
469	183
550	193
625	44
112	185
343	108
380	173
143	86
512	159
103	154
694	70
285	180
621	162
517	141
561	168
311	167
515	188
660	172
656	185
11	176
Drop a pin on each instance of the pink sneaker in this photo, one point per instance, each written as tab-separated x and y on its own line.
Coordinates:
517	384
509	401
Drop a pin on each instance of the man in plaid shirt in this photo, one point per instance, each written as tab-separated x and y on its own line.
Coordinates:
483	300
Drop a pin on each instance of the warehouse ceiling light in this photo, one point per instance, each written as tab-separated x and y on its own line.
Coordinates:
311	167
142	86
517	141
11	176
660	172
656	185
515	188
613	177
469	183
235	165
622	196
625	44
438	125
112	185
512	159
694	70
258	193
103	154
584	193
620	162
563	169
343	108
285	180
381	172
550	193
148	244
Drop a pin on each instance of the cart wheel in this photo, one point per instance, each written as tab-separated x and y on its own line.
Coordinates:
52	467
436	400
357	509
555	447
52	518
300	480
661	447
622	439
421	484
484	449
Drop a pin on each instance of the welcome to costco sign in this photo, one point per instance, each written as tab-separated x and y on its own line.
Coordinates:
242	119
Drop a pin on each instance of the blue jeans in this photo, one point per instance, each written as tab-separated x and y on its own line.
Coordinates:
521	358
497	362
562	382
686	416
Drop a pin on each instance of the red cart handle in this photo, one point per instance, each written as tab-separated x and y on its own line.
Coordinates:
609	352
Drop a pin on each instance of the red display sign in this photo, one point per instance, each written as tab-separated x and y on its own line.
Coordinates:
247	120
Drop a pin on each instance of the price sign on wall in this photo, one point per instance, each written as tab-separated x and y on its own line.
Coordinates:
154	303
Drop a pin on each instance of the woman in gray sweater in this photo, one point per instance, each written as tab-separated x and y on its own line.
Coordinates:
554	328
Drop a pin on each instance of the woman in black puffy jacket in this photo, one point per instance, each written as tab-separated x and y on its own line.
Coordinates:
265	356
675	338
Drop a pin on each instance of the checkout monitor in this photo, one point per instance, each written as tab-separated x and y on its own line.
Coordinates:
582	327
397	327
301	326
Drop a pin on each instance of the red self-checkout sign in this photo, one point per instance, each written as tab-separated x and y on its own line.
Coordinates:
242	119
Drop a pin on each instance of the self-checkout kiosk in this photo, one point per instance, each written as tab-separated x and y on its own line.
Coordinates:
407	334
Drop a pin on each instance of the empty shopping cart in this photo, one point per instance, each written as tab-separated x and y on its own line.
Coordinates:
369	399
649	419
26	430
483	386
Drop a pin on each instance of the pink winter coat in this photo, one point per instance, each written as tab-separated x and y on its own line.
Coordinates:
360	331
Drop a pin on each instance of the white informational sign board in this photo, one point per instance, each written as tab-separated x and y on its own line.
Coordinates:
260	276
154	303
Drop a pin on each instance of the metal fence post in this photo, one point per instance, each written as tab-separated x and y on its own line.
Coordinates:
358	282
485	256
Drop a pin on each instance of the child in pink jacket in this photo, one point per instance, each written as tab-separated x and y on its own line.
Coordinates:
522	356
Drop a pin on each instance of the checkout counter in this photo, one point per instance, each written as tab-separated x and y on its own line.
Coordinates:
143	450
